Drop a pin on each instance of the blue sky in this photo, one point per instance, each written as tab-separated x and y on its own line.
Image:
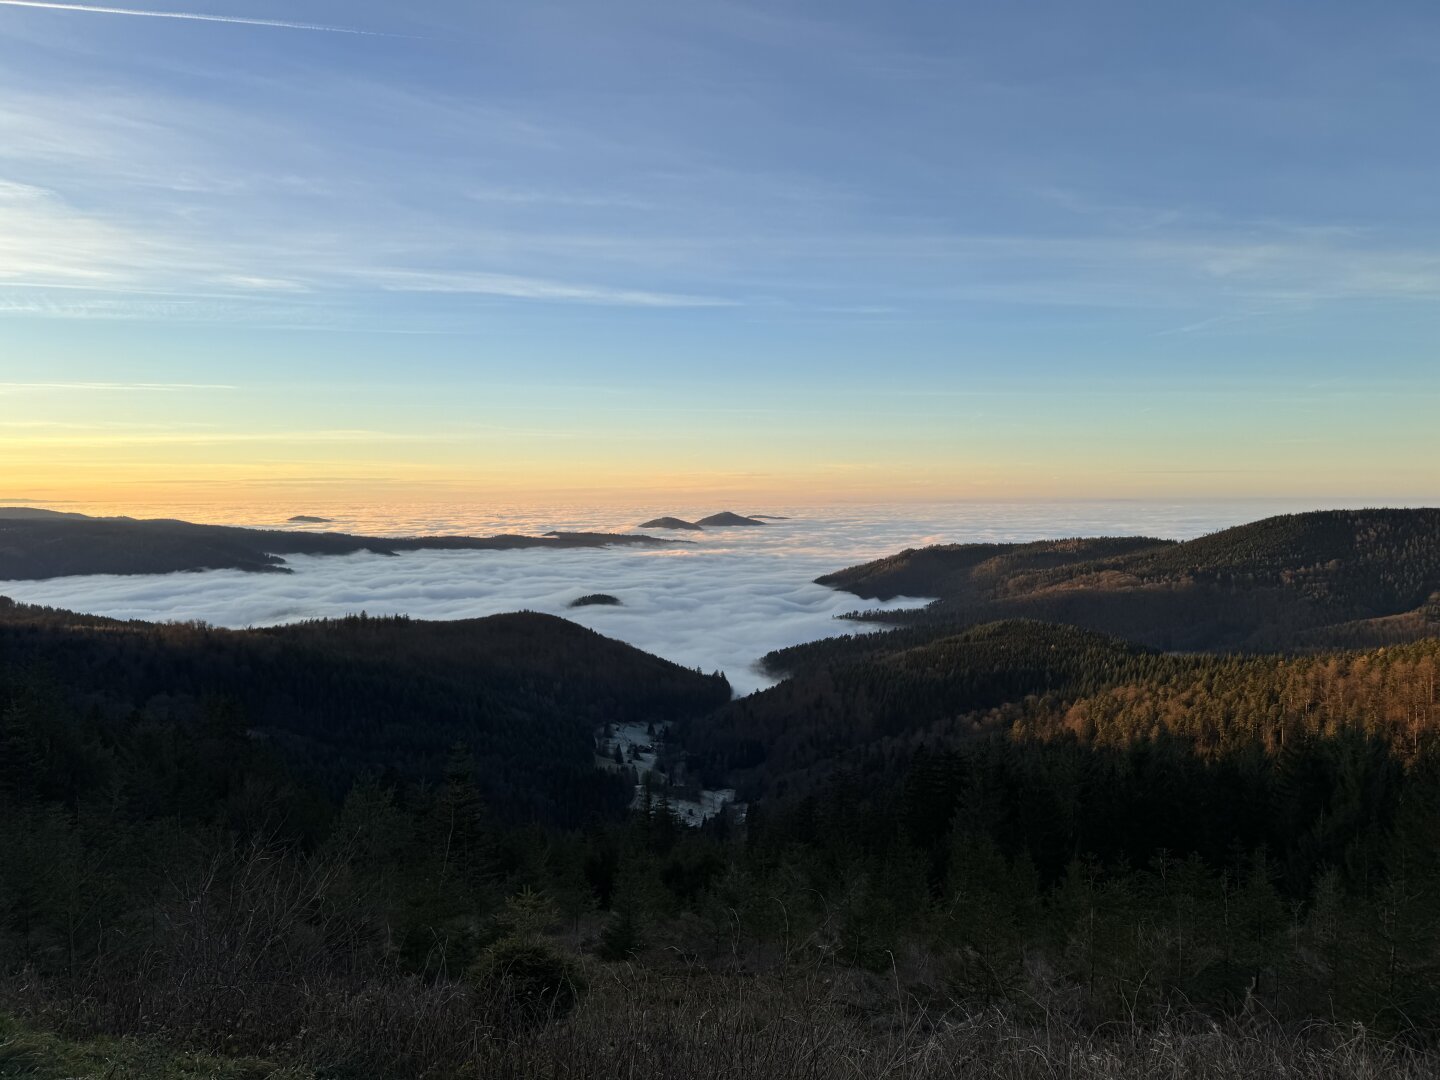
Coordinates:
928	250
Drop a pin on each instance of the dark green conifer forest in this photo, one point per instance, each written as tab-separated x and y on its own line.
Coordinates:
386	847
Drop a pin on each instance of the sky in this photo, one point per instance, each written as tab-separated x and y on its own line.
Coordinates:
716	251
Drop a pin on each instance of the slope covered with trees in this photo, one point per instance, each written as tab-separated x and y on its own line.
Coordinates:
869	691
1328	578
341	698
381	847
1038	824
866	702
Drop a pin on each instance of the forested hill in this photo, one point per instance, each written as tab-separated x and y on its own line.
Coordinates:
863	706
955	570
43	544
1323	579
852	696
336	699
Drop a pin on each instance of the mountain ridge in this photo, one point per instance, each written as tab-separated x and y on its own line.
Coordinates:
45	544
1324	578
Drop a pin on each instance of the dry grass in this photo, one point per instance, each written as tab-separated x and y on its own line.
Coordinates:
638	1022
646	1024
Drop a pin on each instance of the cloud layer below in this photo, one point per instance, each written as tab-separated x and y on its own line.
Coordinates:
719	603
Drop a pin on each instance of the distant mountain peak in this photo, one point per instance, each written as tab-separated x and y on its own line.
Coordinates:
726	519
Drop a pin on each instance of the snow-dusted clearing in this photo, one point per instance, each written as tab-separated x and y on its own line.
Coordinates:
639	747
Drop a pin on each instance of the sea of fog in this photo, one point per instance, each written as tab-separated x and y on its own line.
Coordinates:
719	602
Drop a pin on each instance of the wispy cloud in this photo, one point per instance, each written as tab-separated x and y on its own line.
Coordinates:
105	425
42	238
1217	320
264	284
101	438
528	288
540	197
39	303
111	387
193	16
130	194
46	242
150	267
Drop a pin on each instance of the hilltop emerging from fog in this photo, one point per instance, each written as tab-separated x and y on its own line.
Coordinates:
723	520
1326	578
44	544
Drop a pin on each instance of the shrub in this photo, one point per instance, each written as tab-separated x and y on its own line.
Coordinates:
529	978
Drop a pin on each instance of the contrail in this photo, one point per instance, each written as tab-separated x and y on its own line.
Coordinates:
195	16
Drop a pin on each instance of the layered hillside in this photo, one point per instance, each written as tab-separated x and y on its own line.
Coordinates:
522	694
863	706
38	544
851	698
1328	578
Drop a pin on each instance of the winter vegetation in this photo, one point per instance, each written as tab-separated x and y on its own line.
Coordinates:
513	847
